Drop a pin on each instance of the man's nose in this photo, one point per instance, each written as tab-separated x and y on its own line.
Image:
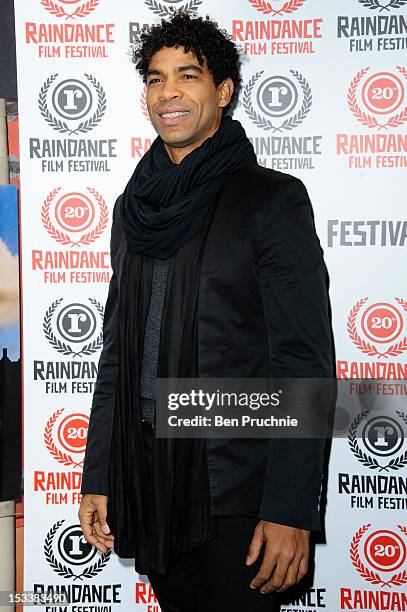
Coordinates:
169	90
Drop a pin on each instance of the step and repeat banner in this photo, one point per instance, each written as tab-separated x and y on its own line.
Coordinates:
323	98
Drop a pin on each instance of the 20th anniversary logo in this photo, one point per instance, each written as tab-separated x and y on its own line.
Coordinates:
384	553
379	557
267	8
63	8
381	323
382	93
74	215
70	431
378	102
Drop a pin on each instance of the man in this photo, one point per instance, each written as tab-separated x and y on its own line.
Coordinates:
217	272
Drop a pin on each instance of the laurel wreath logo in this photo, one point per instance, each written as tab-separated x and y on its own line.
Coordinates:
367	347
81	11
288	124
371	462
143	103
267	9
61	126
369	120
63	570
376	5
62	347
366	573
164	11
61	457
64	238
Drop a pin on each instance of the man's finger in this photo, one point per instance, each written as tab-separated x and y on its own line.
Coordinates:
101	508
291	576
278	576
255	546
107	540
303	567
266	568
87	530
86	521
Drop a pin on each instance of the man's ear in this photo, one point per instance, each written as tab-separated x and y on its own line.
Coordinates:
225	92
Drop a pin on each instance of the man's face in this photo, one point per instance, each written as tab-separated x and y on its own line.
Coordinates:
183	102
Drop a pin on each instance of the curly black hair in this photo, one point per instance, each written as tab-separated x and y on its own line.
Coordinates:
200	35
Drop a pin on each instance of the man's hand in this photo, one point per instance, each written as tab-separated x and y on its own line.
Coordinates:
92	516
285	559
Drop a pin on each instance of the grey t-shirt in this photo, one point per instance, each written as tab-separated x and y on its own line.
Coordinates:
149	364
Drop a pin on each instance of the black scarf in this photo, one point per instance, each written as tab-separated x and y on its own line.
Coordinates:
164	204
158	512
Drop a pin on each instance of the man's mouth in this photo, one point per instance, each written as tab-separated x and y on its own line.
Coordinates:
174	114
174	117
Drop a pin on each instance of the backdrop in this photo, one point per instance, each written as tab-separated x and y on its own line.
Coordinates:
323	98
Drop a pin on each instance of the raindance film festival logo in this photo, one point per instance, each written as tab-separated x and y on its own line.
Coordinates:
78	106
144	594
379	557
279	33
378	102
377	330
383	29
310	599
366	233
383	5
382	439
280	104
139	145
378	442
66	38
74	330
161	8
72	107
165	8
70	9
64	438
70	556
74	220
267	8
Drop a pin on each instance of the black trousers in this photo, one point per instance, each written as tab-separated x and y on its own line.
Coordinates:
213	577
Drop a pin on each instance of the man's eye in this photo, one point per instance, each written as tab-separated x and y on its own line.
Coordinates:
184	76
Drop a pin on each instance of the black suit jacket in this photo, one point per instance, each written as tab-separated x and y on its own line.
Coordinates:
263	311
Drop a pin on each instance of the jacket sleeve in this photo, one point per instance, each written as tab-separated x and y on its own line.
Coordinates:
294	287
96	462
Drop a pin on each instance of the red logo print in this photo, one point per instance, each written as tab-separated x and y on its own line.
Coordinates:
268	9
81	219
382	93
143	103
71	434
57	8
380	323
384	552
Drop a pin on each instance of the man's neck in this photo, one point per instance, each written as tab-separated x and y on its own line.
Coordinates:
177	154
